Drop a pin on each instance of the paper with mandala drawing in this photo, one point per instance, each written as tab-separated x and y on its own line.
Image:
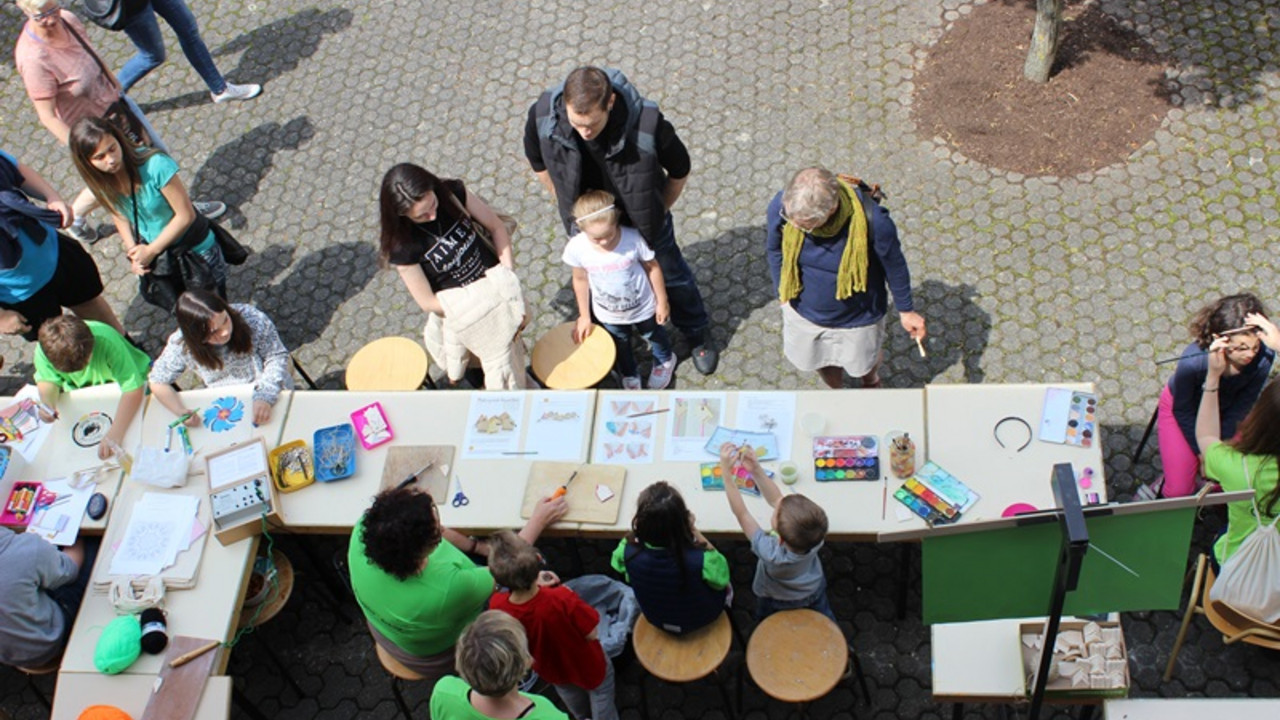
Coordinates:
693	418
621	439
557	421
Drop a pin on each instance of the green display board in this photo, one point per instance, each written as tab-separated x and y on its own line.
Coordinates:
1008	572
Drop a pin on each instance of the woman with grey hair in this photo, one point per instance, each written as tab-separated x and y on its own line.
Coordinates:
835	258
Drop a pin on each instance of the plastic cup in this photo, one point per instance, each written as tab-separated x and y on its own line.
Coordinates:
788	473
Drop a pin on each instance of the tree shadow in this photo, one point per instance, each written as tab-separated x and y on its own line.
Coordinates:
959	330
314	288
234	171
269	52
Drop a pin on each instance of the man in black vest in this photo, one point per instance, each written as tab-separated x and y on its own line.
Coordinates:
596	132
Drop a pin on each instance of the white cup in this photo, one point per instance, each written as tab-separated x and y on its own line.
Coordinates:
813	424
788	473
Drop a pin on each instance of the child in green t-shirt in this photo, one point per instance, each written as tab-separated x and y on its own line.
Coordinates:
75	353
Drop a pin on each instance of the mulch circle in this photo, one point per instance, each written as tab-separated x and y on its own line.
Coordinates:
1106	98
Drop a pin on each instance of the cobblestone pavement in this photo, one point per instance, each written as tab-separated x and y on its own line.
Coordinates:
1022	279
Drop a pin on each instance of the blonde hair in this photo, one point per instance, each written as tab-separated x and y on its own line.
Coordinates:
30	6
492	654
802	523
596	206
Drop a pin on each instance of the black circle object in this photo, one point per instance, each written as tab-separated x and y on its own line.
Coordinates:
90	429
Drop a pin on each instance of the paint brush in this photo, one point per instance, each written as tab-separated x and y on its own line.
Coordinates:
920	345
648	412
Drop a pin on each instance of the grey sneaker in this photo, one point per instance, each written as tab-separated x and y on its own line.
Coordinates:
237	92
631	382
660	378
84	232
212	210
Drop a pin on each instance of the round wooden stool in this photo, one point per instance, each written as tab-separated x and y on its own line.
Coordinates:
259	615
399	673
389	363
797	655
683	658
562	364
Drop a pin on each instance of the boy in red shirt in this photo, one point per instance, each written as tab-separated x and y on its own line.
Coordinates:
561	628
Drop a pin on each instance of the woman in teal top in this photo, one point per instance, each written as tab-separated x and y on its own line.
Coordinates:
1249	461
160	229
492	658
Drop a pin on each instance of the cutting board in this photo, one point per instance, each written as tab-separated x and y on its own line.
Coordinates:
177	690
405	459
584	506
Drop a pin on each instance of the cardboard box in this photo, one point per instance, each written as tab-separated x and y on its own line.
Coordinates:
241	492
1062	686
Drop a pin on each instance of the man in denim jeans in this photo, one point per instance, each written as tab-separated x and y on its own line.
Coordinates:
595	132
144	31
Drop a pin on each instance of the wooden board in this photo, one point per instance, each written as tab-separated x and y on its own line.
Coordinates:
177	691
404	459
584	506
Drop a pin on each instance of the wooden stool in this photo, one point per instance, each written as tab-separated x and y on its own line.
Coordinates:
389	363
683	658
797	656
399	673
561	364
259	615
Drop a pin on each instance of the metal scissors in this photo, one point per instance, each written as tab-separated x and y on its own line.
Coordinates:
460	498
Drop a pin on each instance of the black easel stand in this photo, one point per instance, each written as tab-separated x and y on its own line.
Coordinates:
1075	543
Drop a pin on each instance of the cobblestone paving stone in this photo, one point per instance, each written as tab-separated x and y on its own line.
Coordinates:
1035	279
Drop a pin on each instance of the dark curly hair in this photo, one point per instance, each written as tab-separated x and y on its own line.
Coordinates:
400	530
1225	314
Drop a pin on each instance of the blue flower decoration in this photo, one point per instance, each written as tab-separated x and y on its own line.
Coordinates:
223	414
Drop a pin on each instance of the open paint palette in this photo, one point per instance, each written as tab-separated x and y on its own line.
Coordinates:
846	457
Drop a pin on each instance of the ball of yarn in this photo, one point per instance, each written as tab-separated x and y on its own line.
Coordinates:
104	712
119	646
155	634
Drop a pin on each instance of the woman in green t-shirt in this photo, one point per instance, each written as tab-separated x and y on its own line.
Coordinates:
1251	460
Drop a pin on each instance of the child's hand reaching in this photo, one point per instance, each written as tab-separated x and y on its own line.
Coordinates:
728	456
582	329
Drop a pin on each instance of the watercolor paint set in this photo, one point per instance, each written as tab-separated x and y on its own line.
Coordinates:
846	457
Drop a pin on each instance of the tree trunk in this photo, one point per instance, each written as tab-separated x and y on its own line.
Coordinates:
1044	41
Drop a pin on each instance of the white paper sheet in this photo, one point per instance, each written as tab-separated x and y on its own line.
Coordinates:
159	528
29	446
773	412
693	418
621	439
556	426
68	513
493	425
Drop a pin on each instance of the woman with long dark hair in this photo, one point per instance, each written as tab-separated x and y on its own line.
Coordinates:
225	345
1249	461
454	255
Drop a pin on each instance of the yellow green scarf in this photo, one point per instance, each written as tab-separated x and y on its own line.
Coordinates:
852	275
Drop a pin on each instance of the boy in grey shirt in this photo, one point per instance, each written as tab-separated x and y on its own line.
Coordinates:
789	571
39	598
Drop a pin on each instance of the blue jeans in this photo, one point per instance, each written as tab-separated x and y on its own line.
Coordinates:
688	313
651	331
144	31
597	703
766	606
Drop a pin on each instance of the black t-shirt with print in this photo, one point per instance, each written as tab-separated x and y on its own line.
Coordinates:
450	252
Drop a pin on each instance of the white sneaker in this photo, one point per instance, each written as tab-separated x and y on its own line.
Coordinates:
212	210
237	92
631	382
84	232
660	378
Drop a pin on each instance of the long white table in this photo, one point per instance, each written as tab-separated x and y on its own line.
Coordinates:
60	456
1192	709
211	608
856	510
962	420
494	486
77	691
